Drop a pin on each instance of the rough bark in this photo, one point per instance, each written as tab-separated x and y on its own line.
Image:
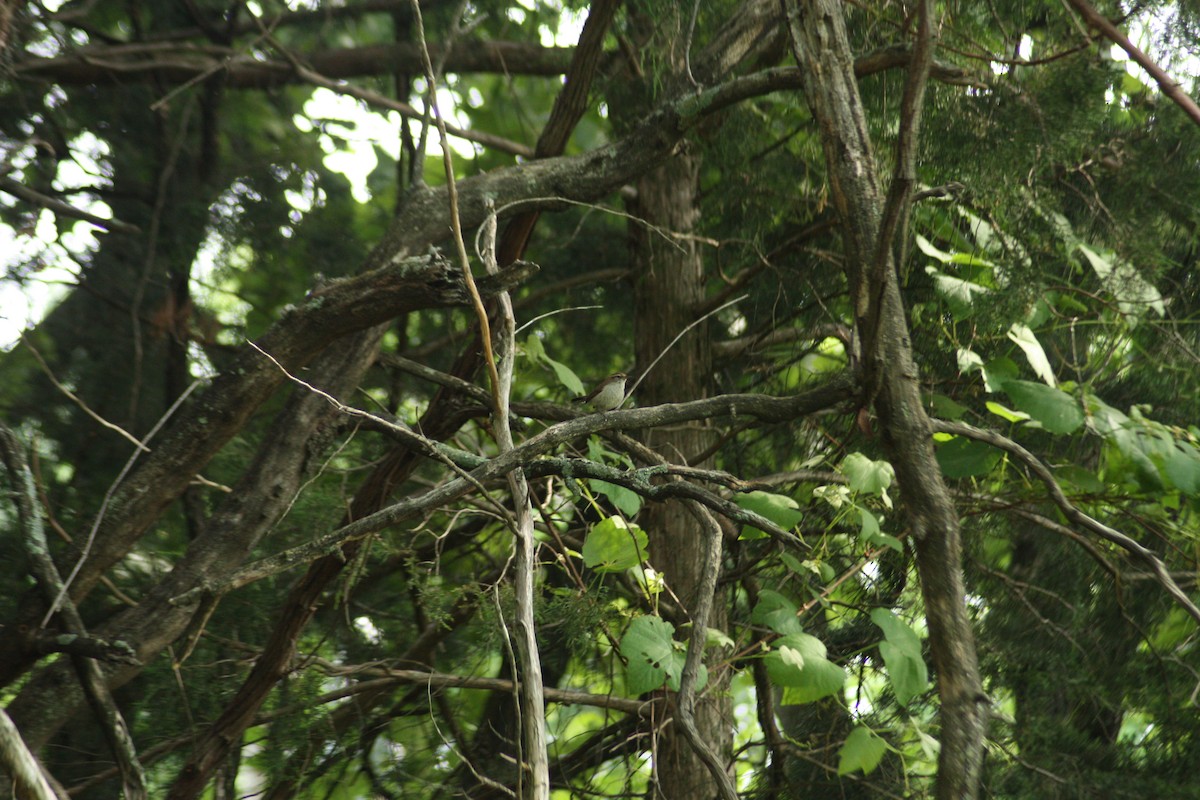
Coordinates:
669	285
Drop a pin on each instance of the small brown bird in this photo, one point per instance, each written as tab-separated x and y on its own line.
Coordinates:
608	394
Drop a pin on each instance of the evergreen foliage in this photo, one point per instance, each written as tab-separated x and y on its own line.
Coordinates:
1048	276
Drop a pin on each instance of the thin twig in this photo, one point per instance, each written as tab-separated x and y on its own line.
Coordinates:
129	437
64	209
679	336
108	495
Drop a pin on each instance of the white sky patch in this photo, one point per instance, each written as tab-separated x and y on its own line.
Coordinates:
50	256
368	630
359	130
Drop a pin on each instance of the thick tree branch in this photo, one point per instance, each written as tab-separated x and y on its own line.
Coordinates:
821	46
28	782
167	63
482	471
340	308
1170	87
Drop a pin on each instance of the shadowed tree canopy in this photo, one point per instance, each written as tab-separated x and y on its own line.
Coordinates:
900	504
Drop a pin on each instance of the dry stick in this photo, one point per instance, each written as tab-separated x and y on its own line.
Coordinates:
532	702
1134	548
532	705
20	765
1169	86
112	724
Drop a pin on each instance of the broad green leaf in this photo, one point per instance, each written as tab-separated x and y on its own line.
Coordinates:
901	650
1103	418
776	612
627	501
1006	413
946	408
1056	410
965	458
998	372
535	351
1079	477
675	672
780	509
614	545
866	475
862	751
1027	341
968	360
804	672
715	637
927	247
791	658
650	652
1135	295
566	376
1181	466
960	295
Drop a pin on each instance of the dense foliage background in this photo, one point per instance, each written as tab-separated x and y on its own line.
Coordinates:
255	431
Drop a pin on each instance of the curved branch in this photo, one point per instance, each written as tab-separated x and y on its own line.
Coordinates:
1070	511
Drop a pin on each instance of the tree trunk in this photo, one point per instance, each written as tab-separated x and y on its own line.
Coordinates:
822	50
669	285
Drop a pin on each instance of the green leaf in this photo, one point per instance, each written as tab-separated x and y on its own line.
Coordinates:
926	247
1135	295
715	637
968	360
650	652
1027	341
535	351
965	458
865	475
1056	410
566	376
780	509
1006	413
872	535
1080	478
627	501
776	612
1181	466
901	650
998	372
863	750
960	295
798	664
614	545
946	408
